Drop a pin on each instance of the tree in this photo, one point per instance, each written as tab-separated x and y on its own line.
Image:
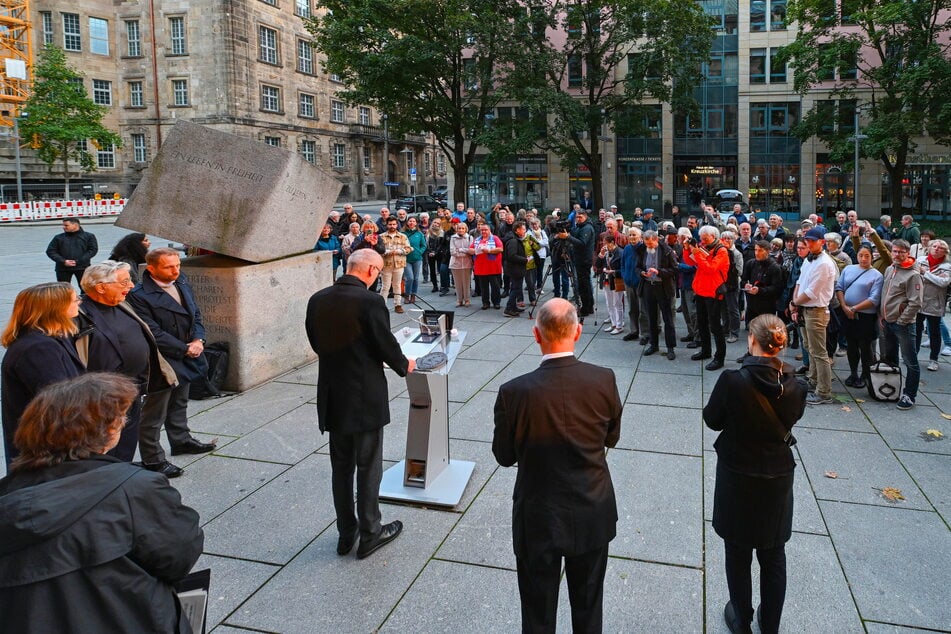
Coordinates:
897	56
599	61
59	116
428	65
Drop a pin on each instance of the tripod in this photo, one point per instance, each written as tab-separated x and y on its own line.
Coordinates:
569	267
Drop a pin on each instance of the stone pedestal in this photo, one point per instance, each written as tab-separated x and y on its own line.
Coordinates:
259	310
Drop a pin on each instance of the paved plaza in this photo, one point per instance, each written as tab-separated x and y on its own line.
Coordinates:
857	562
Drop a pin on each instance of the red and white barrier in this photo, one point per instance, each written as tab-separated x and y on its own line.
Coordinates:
59	209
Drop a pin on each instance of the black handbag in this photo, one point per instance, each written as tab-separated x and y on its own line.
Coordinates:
209	386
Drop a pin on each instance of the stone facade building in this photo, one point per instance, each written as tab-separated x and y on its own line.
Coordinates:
244	67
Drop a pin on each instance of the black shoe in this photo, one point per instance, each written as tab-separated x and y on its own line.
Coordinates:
859	383
693	345
504	294
435	290
193	445
485	307
649	350
388	533
700	356
444	292
643	340
631	336
850	380
716	364
743	358
670	355
166	468
686	339
345	543
803	369
510	313
496	306
729	615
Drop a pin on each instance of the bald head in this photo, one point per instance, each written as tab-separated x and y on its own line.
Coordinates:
361	260
556	326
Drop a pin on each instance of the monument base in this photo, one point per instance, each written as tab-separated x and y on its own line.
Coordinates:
259	310
445	490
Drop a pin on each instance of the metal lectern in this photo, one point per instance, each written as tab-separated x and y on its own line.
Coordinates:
427	474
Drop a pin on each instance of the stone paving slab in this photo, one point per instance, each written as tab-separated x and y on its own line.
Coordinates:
232	581
658	524
611	353
884	628
451	597
817	593
215	483
475	419
903	430
663	429
483	536
932	473
469	376
836	416
252	409
319	591
497	348
864	464
306	375
666	389
279	519
287	439
896	561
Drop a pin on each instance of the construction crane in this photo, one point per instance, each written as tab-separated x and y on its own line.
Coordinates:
16	58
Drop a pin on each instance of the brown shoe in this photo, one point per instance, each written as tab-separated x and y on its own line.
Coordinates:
399	309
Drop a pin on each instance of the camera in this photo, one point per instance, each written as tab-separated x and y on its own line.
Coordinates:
562	226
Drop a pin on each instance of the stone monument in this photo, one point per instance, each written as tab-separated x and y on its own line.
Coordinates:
259	209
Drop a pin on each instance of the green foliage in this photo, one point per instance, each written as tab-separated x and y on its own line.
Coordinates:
901	51
617	55
60	116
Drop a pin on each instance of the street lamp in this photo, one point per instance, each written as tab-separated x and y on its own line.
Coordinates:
857	139
386	159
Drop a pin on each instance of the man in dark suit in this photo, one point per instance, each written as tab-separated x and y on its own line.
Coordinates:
563	504
166	303
349	328
112	338
656	268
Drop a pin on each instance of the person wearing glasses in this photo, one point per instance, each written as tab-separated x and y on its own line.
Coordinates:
112	338
901	301
935	273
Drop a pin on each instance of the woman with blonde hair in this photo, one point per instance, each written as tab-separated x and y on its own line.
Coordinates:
40	350
754	409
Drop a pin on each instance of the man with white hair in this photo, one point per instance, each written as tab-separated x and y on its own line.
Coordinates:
712	262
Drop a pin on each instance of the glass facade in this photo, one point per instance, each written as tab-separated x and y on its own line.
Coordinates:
775	178
523	183
926	190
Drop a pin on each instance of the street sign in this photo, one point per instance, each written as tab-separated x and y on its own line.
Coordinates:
412	174
391	184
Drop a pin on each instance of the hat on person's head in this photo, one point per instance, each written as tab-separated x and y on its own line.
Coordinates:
806	223
613	206
815	234
454	221
648	211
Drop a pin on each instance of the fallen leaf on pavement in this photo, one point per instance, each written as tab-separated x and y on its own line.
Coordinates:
931	435
859	400
892	494
846	408
948	416
831	474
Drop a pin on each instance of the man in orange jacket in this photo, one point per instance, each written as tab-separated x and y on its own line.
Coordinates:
712	262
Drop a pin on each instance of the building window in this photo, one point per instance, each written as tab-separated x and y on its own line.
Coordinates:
302	8
134	38
470	75
848	66
106	156
306	107
364	115
308	150
575	71
102	92
273	3
72	39
777	69
441	163
140	151
267	45
98	36
335	78
180	92
367	159
77	83
270	98
758	15
273	141
47	19
339	160
135	94
176	30
777	15
305	57
757	65
337	112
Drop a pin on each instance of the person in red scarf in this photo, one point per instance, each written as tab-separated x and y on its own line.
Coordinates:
901	301
935	274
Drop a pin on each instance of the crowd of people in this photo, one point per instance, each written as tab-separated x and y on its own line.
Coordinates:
88	380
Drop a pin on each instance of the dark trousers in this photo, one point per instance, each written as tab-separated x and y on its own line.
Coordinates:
129	438
902	337
516	283
65	276
656	300
708	322
489	289
859	335
772	583
633	309
583	273
934	334
170	408
538	580
361	452
559	276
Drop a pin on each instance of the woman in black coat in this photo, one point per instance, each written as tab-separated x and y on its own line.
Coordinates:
755	409
40	350
89	543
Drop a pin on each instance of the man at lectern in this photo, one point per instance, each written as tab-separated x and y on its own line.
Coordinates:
556	422
349	328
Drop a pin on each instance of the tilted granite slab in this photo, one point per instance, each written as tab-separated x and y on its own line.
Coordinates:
231	195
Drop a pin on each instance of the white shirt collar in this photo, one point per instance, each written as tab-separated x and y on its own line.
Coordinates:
557	355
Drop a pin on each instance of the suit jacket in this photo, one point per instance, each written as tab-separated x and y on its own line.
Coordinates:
173	325
98	347
349	328
667	268
555	422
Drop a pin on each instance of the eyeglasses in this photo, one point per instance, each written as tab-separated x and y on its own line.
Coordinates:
122	282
